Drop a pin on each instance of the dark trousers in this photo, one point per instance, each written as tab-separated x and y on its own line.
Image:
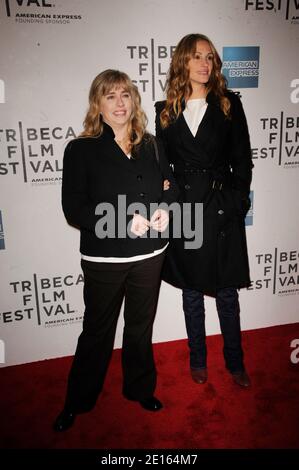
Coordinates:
227	303
105	287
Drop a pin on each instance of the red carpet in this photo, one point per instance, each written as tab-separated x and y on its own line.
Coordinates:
217	415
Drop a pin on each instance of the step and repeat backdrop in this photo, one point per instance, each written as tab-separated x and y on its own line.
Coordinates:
50	52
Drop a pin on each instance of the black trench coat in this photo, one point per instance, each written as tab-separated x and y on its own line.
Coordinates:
214	168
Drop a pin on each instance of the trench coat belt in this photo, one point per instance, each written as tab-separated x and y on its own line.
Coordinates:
217	182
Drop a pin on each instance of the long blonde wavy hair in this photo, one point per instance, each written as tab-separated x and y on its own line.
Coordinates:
178	84
101	86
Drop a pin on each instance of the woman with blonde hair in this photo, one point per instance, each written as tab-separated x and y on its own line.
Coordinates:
108	172
205	135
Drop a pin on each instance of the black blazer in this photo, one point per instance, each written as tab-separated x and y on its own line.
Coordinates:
95	170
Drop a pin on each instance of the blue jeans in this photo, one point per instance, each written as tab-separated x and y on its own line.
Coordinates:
228	308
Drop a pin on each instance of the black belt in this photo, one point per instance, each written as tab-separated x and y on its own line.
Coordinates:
195	171
216	183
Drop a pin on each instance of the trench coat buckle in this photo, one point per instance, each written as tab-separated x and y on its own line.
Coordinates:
217	185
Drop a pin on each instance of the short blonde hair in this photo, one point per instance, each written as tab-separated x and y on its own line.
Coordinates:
101	86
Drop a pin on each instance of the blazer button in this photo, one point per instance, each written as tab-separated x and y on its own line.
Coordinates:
139	177
220	212
187	186
141	194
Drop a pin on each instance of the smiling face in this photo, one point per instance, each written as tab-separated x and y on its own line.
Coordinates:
116	107
200	65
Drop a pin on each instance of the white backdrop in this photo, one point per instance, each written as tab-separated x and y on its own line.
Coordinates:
50	53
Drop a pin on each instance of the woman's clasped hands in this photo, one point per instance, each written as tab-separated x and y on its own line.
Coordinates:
159	222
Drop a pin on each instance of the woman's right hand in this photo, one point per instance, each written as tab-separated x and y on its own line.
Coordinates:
140	225
166	185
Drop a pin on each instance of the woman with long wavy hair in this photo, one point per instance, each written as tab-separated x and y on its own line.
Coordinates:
204	130
109	169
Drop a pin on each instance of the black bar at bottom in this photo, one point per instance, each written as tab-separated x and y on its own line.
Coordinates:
137	458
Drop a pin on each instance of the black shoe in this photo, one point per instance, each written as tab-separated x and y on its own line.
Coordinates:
199	376
241	378
151	404
64	421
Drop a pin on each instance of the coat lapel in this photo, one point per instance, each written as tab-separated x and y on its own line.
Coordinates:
115	153
195	146
206	134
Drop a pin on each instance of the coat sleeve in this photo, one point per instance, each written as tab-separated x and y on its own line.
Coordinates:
78	209
162	133
159	106
240	155
171	194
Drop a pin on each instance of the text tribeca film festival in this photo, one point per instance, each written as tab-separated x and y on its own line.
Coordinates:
34	155
25	11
